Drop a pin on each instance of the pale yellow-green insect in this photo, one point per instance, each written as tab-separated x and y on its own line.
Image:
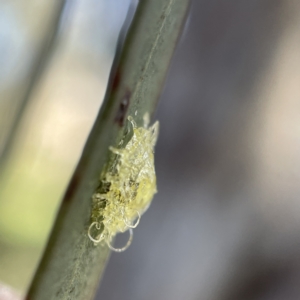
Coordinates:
127	188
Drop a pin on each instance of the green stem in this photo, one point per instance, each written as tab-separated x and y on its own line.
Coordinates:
71	265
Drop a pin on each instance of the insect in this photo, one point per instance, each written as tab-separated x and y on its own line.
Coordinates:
127	187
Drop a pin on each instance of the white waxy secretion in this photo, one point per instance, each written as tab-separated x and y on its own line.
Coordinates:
127	187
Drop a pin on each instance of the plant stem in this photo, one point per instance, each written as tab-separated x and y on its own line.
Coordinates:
72	266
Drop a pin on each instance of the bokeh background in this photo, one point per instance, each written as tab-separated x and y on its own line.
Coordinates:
225	223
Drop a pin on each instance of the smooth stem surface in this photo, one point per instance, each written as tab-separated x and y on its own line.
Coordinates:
72	266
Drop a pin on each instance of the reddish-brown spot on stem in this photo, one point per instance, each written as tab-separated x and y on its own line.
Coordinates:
123	109
116	80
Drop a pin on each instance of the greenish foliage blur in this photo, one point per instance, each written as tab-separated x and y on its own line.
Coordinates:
56	122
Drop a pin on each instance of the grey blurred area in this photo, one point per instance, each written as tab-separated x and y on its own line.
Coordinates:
225	222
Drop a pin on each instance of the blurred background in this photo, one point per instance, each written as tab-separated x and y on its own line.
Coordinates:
225	222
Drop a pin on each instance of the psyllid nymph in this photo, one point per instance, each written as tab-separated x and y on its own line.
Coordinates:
127	187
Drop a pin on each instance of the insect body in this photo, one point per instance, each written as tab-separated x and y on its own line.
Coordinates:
127	188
